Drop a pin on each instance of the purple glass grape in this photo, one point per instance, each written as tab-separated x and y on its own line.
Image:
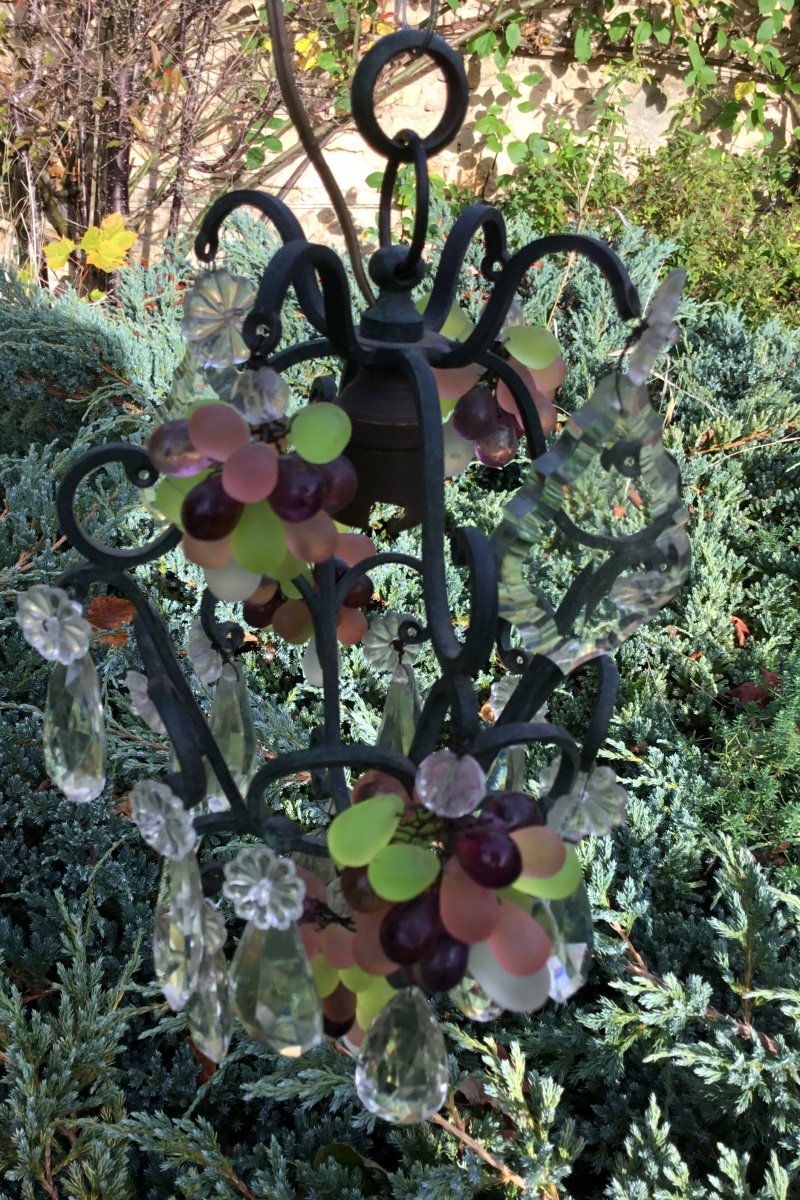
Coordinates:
299	492
445	965
259	616
513	810
172	453
476	415
489	856
340	481
500	446
208	512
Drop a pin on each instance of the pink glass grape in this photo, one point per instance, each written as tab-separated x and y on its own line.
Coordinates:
251	472
217	430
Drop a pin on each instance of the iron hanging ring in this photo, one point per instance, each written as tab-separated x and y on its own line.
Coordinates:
421	202
362	93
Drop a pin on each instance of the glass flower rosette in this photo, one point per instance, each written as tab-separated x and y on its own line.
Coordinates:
178	942
272	987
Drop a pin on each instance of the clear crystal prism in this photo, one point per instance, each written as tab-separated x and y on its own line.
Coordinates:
178	930
74	732
208	1009
402	710
231	724
402	1072
273	990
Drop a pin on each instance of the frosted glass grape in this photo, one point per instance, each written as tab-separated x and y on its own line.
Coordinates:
517	993
206	554
353	548
469	912
259	540
265	591
292	621
357	891
251	472
534	345
542	850
341	483
351	626
208	512
458	452
457	381
320	432
548	378
378	783
299	491
360	593
172	452
217	430
170	493
313	540
367	949
501	445
543	405
450	784
231	583
518	943
337	946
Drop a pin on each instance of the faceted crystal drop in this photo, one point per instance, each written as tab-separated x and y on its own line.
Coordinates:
178	930
74	732
568	924
402	1071
208	1009
231	724
402	710
273	990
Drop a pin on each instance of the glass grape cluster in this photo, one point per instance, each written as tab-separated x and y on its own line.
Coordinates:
253	491
482	418
439	886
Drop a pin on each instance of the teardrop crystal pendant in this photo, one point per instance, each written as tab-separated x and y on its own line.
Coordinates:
569	926
74	732
402	1072
209	1010
402	710
178	930
231	725
273	990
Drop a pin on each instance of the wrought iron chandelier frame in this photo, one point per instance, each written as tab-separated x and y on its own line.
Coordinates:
394	336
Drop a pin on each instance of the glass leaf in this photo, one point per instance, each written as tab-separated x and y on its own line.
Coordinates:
594	543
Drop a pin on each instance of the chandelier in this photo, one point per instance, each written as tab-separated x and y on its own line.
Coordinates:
437	871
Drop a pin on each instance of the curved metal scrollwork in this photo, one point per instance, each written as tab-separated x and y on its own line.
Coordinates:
395	337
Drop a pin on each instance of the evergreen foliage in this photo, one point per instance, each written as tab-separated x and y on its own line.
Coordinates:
674	1074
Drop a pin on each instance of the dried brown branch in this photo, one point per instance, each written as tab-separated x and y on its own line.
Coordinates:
640	970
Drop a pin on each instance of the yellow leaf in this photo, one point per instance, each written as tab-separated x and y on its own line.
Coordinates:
57	253
745	87
107	246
